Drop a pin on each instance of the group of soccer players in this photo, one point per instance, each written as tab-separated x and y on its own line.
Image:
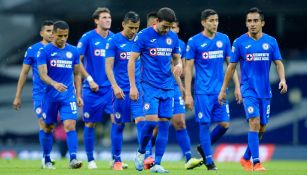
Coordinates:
136	76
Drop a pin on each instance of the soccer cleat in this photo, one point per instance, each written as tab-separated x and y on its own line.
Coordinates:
211	167
258	167
48	165
246	164
43	162
125	165
158	169
118	166
139	161
193	163
202	153
91	165
75	164
149	162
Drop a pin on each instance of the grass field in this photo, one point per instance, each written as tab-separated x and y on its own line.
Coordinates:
32	167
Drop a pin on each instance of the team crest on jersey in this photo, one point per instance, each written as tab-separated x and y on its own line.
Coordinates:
205	55
249	57
219	44
38	110
53	63
146	106
169	41
86	115
153	51
265	46
117	115
250	109
79	44
200	115
68	54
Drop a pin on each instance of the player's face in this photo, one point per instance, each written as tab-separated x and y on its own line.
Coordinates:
46	33
211	23
151	21
60	37
130	28
254	23
164	26
175	27
104	21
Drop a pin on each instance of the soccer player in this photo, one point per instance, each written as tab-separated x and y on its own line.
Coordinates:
151	18
208	50
156	46
117	56
58	64
97	91
30	61
255	50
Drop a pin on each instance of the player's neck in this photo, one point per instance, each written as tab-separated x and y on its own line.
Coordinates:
255	36
44	42
209	34
102	32
58	46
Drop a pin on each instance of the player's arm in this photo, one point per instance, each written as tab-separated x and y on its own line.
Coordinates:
228	75
177	71
189	64
77	78
281	73
44	77
93	85
236	81
134	94
21	81
118	92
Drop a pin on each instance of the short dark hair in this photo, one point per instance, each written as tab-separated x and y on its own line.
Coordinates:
132	16
166	14
46	23
99	10
255	10
152	14
60	25
206	13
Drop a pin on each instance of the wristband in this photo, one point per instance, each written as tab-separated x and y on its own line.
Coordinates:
89	79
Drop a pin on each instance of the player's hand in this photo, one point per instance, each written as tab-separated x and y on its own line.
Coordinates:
94	86
118	92
17	103
177	70
283	87
189	102
222	97
238	95
134	94
79	102
60	87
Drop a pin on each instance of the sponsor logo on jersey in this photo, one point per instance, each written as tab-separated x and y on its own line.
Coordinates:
160	51
213	54
204	45
258	57
97	43
61	63
100	52
153	40
124	55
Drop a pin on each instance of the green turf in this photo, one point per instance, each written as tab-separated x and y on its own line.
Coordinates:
32	167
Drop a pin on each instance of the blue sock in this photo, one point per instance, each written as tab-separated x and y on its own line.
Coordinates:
40	138
146	135
205	141
72	144
253	144
247	155
89	142
153	140
184	142
47	142
139	127
117	140
161	141
217	133
148	152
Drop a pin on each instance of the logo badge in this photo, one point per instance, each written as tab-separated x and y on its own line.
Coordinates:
69	55
205	55
146	106
153	51
53	63
38	110
250	109
265	46
249	57
219	44
117	115
169	41
86	115
200	115
123	55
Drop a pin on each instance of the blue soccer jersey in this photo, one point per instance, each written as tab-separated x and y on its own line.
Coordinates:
156	54
209	55
30	58
93	47
119	48
60	65
255	58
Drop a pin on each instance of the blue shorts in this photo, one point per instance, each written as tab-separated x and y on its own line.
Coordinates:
208	110
257	107
37	107
124	109
96	104
158	101
67	109
179	105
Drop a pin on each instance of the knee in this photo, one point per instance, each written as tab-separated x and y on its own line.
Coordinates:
70	125
48	128
179	125
254	124
224	125
89	124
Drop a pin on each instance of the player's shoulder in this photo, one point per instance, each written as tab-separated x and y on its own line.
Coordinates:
35	47
241	38
269	37
222	35
71	47
89	33
195	37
